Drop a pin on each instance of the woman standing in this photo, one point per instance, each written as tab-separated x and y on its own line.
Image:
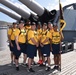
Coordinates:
57	37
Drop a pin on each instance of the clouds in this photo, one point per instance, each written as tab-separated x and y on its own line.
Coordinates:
55	4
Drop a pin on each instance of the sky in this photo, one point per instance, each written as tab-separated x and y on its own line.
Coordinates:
48	4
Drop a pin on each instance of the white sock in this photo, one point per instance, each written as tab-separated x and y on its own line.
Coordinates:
17	65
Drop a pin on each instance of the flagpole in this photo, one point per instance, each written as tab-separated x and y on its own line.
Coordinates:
60	43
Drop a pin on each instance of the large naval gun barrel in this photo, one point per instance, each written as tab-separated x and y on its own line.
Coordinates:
24	13
10	13
44	14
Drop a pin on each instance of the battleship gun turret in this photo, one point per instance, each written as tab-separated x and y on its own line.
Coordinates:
10	13
24	13
44	14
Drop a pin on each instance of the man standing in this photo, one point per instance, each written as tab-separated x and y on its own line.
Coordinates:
20	39
32	45
45	45
11	38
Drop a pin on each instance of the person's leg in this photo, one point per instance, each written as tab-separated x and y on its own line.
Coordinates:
17	63
17	55
40	57
31	52
24	58
11	57
48	65
24	51
58	61
55	59
48	60
30	60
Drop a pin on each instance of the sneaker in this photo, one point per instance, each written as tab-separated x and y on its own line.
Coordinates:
44	64
13	63
31	70
17	68
47	69
34	63
55	67
24	64
40	62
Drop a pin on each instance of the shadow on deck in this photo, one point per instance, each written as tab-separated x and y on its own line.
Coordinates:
10	70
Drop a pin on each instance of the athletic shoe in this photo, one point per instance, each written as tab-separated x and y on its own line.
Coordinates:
31	70
55	67
47	69
40	62
17	68
24	64
34	63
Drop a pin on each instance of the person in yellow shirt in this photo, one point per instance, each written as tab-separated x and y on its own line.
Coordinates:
28	25
20	39
32	45
39	32
45	45
57	37
11	38
50	27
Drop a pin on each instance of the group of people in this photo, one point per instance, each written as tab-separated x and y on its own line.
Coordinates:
29	37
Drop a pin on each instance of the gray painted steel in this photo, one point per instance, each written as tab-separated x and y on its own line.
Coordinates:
70	29
24	13
3	37
34	6
69	35
70	18
10	13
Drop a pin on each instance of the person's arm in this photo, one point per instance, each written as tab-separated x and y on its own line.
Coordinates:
33	40
62	37
9	37
46	40
16	41
51	44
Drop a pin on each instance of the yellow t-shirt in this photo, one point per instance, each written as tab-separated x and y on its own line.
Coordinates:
21	35
51	31
46	34
56	37
11	32
32	34
39	32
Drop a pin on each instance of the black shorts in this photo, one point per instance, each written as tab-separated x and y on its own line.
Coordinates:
16	52
23	48
55	48
12	48
31	51
45	50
